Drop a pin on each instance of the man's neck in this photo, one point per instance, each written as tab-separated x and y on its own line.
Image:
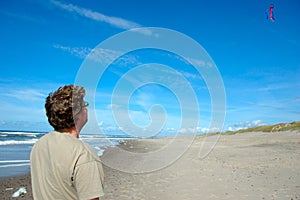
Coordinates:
72	131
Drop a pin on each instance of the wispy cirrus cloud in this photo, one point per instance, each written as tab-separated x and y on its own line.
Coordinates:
21	103
97	16
277	86
115	21
16	93
98	54
80	52
109	55
27	94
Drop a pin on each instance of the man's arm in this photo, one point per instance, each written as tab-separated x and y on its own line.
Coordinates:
88	181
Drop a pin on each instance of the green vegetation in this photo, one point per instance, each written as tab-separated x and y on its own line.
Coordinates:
269	128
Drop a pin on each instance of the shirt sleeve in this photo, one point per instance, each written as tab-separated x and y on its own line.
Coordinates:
89	179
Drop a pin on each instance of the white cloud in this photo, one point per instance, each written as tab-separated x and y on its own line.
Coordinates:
114	21
192	130
244	125
195	62
198	130
277	86
25	125
171	130
99	54
143	99
20	102
22	111
199	63
80	52
202	130
113	106
26	94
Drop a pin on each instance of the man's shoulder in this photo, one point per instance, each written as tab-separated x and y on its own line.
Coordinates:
43	139
90	150
54	138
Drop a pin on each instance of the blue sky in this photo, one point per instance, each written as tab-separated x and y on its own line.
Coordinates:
44	43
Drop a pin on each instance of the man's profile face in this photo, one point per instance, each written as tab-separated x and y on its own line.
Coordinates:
82	116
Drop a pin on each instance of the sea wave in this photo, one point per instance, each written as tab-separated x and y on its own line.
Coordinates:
18	137
13	142
30	134
14	163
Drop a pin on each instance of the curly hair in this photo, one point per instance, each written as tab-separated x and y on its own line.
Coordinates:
62	105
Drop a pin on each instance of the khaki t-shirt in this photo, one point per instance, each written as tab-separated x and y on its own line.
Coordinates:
64	167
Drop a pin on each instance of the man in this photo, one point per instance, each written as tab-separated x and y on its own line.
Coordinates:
62	166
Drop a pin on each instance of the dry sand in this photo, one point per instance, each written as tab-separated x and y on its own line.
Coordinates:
244	166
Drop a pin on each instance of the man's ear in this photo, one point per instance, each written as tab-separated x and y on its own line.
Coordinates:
76	119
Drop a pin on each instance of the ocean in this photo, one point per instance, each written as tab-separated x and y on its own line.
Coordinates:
15	147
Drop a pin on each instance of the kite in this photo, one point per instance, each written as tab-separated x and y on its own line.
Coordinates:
270	13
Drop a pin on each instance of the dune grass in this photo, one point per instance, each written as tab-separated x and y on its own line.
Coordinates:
269	128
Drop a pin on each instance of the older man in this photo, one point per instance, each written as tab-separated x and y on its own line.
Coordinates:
62	166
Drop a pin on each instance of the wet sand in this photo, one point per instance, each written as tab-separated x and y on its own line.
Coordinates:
243	166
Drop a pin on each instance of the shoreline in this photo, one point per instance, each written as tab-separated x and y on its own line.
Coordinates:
244	166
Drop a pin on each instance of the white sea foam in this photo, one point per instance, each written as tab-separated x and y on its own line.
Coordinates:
18	137
11	142
14	163
99	151
21	142
32	134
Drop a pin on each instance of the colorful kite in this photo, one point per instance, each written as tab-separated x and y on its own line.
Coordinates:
270	13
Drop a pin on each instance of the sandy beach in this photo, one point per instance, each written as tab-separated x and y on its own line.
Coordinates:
243	166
